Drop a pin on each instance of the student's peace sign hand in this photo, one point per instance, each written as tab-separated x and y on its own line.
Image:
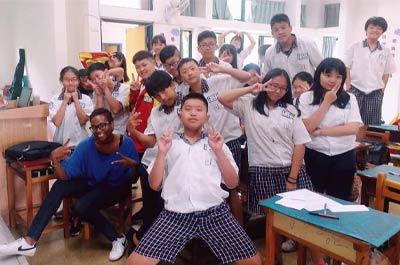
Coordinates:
256	88
164	142
135	86
266	86
331	96
125	161
133	121
61	152
215	139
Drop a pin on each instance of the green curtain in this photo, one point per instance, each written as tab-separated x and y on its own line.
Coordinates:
331	17
328	46
221	10
263	10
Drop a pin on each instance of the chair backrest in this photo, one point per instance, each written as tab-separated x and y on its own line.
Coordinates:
386	189
382	137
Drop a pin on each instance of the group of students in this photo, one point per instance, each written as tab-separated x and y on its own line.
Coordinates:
184	121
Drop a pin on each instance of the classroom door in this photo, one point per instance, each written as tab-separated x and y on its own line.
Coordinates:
135	41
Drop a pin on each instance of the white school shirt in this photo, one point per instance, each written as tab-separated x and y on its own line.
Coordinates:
157	124
242	56
226	123
120	93
367	67
217	61
305	56
70	127
334	117
192	179
271	139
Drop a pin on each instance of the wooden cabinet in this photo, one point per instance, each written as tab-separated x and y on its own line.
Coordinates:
19	125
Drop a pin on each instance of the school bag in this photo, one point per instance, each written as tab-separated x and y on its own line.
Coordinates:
31	150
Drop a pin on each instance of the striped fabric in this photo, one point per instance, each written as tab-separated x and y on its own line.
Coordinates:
370	105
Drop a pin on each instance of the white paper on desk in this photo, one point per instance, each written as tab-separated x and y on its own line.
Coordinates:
349	208
292	203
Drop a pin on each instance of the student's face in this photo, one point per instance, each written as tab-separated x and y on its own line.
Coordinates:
113	61
145	68
226	56
70	82
299	87
207	48
193	114
101	128
236	43
374	32
167	96
157	47
84	82
281	31
171	65
255	77
97	77
278	85
190	73
330	80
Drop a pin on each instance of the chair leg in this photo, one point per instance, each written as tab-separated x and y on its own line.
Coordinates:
86	231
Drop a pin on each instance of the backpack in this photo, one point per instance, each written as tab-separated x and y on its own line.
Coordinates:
30	150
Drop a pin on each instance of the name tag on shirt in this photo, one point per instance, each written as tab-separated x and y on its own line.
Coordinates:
147	99
115	94
287	114
302	56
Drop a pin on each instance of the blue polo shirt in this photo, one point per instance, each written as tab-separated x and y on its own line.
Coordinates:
86	162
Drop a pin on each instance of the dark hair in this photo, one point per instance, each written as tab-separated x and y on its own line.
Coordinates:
185	61
304	76
326	66
102	111
252	66
169	51
141	55
261	99
194	96
82	73
121	57
278	18
262	49
230	49
159	38
67	69
239	38
206	34
157	82
376	21
95	67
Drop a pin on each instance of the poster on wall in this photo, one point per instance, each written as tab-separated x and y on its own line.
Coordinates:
172	33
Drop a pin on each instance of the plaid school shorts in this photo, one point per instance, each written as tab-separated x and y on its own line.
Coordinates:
216	226
370	105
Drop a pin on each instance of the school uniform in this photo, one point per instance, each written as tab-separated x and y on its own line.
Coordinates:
202	63
70	127
242	56
191	212
226	123
330	161
121	93
302	56
271	140
366	69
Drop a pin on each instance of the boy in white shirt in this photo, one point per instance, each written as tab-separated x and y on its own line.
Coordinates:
181	166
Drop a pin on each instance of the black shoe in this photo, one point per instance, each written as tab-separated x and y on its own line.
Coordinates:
58	216
129	237
75	226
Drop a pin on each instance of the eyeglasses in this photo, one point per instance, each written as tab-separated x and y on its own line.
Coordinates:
72	80
207	45
276	87
101	126
169	65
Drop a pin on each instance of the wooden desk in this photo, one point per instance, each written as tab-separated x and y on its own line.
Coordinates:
393	129
16	126
394	151
348	239
361	154
368	178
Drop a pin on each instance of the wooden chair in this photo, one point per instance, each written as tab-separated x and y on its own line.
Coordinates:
387	189
377	137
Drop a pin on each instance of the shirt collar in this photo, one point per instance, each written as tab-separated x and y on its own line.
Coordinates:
378	46
168	109
201	136
61	96
279	49
202	63
204	86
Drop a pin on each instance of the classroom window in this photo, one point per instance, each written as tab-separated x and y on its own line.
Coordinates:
331	16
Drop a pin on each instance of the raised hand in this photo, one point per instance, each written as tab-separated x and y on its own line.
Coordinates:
164	142
266	86
331	96
256	88
67	97
213	67
133	121
125	161
61	152
135	86
215	139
